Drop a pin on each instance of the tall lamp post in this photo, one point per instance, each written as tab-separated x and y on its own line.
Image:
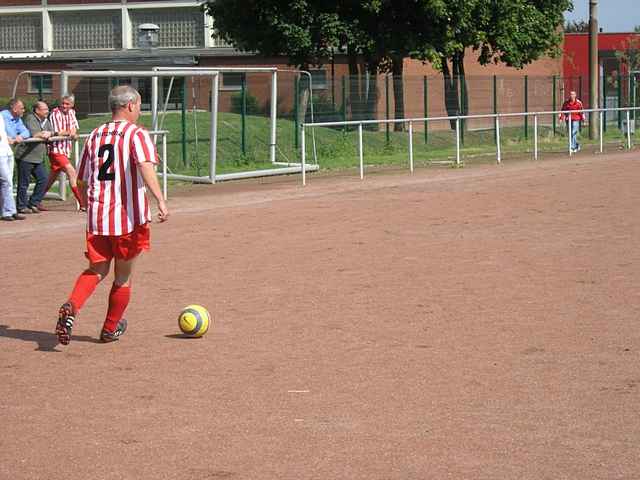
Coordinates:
594	70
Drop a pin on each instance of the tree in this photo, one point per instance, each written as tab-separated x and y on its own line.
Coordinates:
388	33
576	26
384	32
303	30
513	32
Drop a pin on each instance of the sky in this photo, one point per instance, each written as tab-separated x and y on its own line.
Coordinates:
613	15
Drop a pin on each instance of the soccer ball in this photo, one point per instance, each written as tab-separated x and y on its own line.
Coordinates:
194	320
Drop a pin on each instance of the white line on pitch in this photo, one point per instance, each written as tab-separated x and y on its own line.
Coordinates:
297	391
298	420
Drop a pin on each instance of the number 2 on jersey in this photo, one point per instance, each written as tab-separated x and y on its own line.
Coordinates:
107	160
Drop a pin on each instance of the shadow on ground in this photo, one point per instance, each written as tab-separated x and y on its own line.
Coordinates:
46	341
182	336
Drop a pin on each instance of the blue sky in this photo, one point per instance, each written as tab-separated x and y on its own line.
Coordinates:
613	15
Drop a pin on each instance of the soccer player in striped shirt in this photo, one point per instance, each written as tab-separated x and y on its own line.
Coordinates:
64	122
117	162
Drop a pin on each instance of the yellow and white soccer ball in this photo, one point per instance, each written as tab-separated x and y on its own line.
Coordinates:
194	320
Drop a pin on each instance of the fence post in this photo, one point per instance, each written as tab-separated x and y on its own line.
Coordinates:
495	105
535	137
619	102
273	114
498	149
387	106
458	141
344	101
632	93
213	129
333	85
243	113
628	129
164	165
426	109
303	157
604	100
555	103
183	119
463	92
411	147
296	100
526	106
601	133
360	153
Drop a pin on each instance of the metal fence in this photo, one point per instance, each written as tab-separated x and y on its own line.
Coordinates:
497	119
383	97
245	110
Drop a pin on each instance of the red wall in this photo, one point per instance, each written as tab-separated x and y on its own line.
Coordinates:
576	50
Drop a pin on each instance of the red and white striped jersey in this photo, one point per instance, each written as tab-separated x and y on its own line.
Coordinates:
116	195
62	121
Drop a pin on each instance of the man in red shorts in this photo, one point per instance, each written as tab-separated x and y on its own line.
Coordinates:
64	122
117	162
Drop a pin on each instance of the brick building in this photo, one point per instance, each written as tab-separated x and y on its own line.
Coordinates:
55	35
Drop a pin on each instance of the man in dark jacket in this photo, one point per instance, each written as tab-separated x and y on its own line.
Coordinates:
30	157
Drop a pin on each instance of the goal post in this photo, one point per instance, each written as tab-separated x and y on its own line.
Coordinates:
274	93
156	73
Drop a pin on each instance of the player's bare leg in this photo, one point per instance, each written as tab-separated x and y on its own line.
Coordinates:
115	325
73	181
84	287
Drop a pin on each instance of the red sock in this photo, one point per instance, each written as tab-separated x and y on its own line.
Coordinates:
118	301
76	193
84	287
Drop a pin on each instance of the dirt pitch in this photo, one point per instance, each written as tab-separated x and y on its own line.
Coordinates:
467	324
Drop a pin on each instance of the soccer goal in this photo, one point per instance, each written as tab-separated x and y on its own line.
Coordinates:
158	104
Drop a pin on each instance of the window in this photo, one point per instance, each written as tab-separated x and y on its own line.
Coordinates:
94	30
21	33
319	79
179	28
41	84
232	81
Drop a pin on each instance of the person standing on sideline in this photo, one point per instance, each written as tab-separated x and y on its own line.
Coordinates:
117	162
13	132
64	122
575	106
30	157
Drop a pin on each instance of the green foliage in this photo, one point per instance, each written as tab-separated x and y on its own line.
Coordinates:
515	32
384	32
630	53
303	30
27	100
